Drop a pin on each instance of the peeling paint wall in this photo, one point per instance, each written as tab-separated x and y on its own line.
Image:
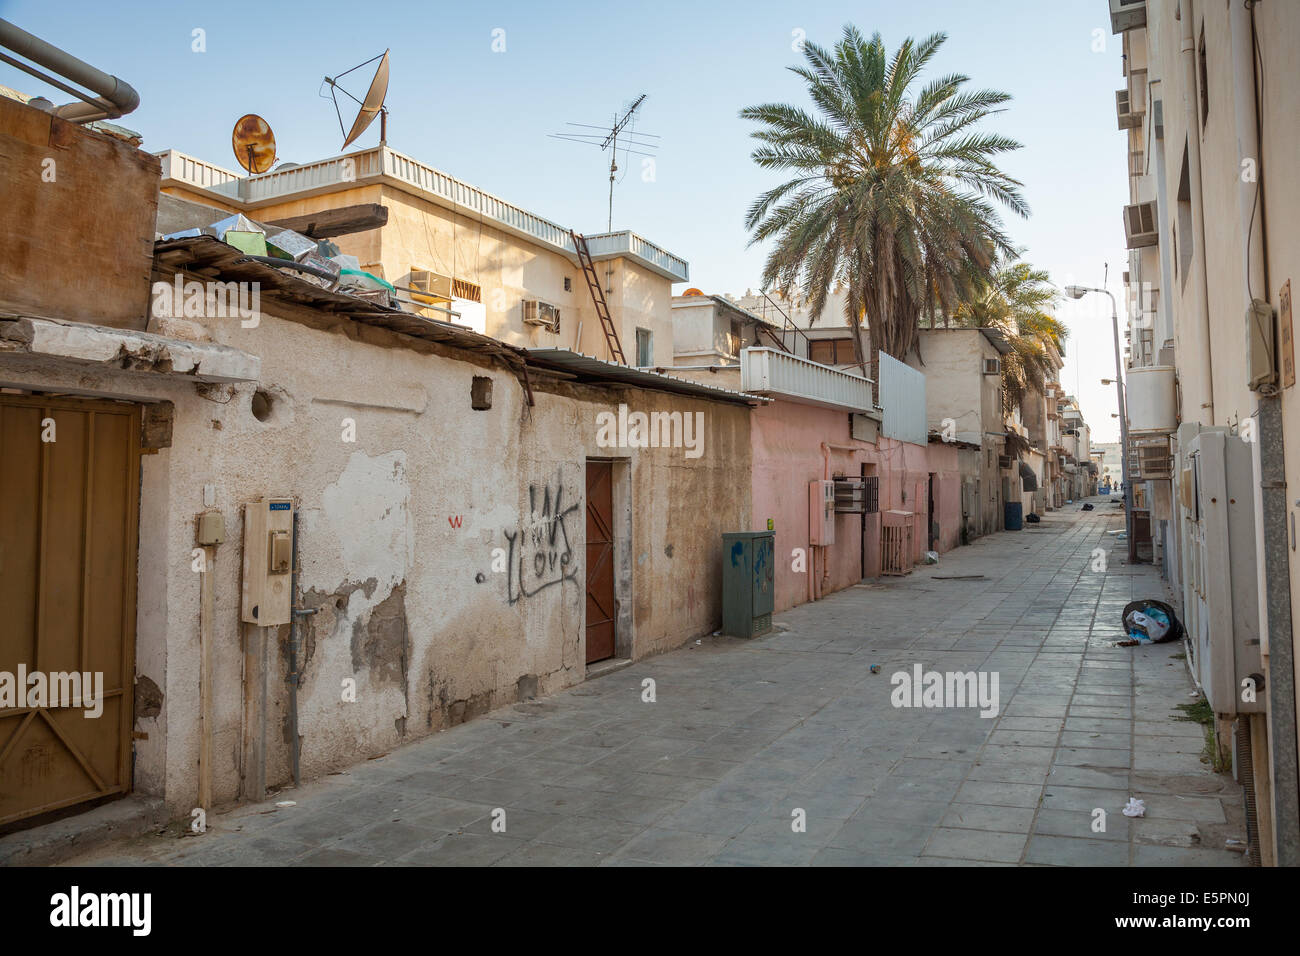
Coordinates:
405	542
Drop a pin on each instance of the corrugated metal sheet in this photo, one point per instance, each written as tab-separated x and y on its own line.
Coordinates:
902	394
802	380
585	368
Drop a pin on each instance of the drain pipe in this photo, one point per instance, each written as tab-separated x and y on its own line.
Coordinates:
1201	328
116	97
295	647
1271	501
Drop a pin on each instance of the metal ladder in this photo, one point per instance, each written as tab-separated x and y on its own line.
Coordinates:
598	297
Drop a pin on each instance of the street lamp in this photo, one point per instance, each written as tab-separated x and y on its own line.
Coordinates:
1078	292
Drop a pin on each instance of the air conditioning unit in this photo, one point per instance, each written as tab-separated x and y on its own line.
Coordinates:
430	285
1129	118
1141	225
851	496
537	312
992	366
1127	15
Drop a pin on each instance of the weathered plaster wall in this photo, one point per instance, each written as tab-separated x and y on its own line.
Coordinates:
444	547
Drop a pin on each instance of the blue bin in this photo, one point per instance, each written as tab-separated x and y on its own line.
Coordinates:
1015	515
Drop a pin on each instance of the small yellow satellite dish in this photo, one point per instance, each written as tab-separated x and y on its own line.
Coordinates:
253	143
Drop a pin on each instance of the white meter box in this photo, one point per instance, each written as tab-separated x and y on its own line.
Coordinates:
268	561
821	512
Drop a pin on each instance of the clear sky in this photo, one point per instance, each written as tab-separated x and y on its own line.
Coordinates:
484	116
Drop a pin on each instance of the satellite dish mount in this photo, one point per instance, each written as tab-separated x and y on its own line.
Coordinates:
370	107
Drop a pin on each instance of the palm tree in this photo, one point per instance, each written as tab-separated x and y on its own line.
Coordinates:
893	189
1016	300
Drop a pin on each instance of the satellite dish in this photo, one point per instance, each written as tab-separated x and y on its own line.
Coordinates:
253	143
371	106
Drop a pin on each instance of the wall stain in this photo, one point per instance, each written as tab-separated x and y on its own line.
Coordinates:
383	644
148	698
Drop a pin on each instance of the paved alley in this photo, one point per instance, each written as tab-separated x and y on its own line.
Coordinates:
743	735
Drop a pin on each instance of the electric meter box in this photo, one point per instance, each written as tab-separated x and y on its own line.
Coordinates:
1220	593
821	512
268	561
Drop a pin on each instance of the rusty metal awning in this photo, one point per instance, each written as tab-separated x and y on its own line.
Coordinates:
585	368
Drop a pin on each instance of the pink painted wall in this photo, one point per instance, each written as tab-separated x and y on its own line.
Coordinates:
787	455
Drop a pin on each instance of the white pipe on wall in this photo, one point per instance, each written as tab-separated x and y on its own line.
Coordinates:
1201	328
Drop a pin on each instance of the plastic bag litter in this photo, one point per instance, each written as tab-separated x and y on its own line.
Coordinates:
932	557
1151	622
1134	808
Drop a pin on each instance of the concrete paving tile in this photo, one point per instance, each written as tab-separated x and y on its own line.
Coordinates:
1175	856
881	836
1003	772
672	847
1095	757
974	816
965	844
992	793
1096	778
461	849
1056	797
1080	823
1067	851
546	854
905	810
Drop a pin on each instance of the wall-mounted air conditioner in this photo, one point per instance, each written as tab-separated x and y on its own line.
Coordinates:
1141	225
1129	118
992	366
537	312
1127	15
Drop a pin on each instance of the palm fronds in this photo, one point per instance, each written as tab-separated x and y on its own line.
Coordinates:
893	189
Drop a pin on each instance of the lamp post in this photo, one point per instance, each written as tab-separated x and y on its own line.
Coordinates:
1078	292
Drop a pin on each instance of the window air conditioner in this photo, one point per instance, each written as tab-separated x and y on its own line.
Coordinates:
1140	225
537	312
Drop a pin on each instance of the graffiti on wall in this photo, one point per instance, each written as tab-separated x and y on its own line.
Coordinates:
539	552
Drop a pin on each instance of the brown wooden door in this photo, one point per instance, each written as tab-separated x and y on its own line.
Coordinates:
601	612
68	523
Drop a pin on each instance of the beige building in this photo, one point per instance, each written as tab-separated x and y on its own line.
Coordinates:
1208	108
963	406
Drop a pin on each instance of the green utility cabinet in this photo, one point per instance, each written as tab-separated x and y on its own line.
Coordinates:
748	582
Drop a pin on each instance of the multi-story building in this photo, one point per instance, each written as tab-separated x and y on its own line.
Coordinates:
1208	106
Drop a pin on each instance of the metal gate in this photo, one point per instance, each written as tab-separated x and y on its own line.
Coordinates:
600	561
69	498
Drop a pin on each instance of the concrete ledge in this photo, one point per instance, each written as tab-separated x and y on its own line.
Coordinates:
126	349
45	845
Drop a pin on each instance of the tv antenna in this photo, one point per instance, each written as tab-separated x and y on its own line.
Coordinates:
609	140
253	143
370	107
